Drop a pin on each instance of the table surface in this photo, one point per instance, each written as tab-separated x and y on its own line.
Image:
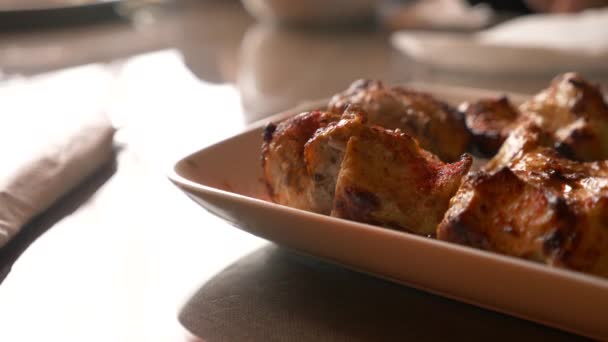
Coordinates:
117	258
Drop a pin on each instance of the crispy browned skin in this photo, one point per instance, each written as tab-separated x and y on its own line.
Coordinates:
531	202
501	213
540	197
323	154
387	179
571	111
489	121
318	163
583	186
437	126
574	113
525	138
285	172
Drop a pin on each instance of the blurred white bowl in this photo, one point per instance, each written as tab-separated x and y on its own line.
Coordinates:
280	68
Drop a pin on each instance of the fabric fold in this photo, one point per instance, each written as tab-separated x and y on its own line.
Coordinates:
53	134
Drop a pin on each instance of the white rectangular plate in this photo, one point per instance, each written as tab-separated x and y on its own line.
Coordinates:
225	179
463	53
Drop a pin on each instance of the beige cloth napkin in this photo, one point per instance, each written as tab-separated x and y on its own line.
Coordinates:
52	136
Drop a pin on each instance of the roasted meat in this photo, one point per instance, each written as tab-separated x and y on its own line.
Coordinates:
489	121
571	111
285	173
526	137
437	126
502	213
532	202
320	163
323	154
574	113
388	180
543	196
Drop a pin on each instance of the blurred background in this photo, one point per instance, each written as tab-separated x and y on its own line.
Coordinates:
278	53
173	76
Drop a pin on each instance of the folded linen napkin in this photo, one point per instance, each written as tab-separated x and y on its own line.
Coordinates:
52	136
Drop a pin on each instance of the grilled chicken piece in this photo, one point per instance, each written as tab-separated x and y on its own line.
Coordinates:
525	138
322	163
285	172
531	202
489	121
388	180
583	186
437	126
575	114
323	155
501	213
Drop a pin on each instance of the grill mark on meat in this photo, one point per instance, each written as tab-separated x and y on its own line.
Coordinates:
269	132
357	204
364	200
